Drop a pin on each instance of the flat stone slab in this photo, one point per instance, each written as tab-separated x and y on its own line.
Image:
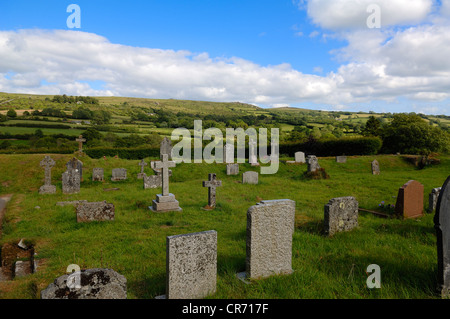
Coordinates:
95	211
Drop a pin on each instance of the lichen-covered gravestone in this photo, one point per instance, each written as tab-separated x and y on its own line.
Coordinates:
299	157
313	163
233	169
410	200
270	227
95	211
97	174
71	181
340	214
432	199
47	163
375	167
94	283
152	181
442	226
75	163
250	178
191	265
119	174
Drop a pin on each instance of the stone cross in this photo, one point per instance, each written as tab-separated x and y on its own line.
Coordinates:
47	163
142	164
212	183
164	165
80	141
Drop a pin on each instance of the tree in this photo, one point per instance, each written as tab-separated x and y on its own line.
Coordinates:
372	127
11	113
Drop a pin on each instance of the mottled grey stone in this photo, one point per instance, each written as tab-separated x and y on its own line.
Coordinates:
95	211
270	227
313	163
71	181
233	169
432	199
191	265
250	178
341	159
212	183
47	163
375	167
141	174
442	226
152	181
23	268
299	157
119	174
76	164
340	214
98	174
94	283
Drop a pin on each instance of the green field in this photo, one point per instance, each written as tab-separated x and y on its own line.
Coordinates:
134	243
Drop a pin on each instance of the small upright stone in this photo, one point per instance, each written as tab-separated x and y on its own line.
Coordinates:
233	169
375	168
212	183
432	199
410	200
299	157
340	214
142	164
341	159
313	163
47	163
119	174
97	174
250	178
80	141
191	265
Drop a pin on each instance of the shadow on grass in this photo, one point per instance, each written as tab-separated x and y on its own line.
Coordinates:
149	287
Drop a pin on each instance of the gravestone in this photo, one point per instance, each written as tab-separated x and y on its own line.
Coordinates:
299	157
410	200
228	151
166	147
47	163
97	174
432	199
341	159
75	163
95	211
191	265
270	227
212	183
233	169
96	283
250	178
80	141
71	181
442	227
142	164
157	171
152	181
166	201
340	214
313	163
375	168
119	174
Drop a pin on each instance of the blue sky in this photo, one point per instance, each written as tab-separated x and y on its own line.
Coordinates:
317	54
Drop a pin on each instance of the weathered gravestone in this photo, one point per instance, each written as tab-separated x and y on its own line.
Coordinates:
96	283
47	163
313	163
340	214
166	147
233	169
341	159
98	174
80	141
166	201
270	227
299	157
442	226
432	199
119	174
410	200
75	163
250	178
152	181
375	167
212	183
191	265
141	174
71	181
95	211
158	171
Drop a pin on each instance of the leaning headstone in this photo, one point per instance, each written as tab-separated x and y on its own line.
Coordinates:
375	168
299	157
47	163
95	211
71	181
119	174
94	283
166	201
410	200
250	178
191	265
142	164
98	174
212	183
166	147
341	159
432	199
152	181
340	214
442	226
75	163
313	163
233	169
270	227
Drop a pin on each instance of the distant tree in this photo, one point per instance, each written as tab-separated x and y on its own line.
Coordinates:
372	128
38	133
11	113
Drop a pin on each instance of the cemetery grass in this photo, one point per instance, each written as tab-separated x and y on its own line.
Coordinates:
134	244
